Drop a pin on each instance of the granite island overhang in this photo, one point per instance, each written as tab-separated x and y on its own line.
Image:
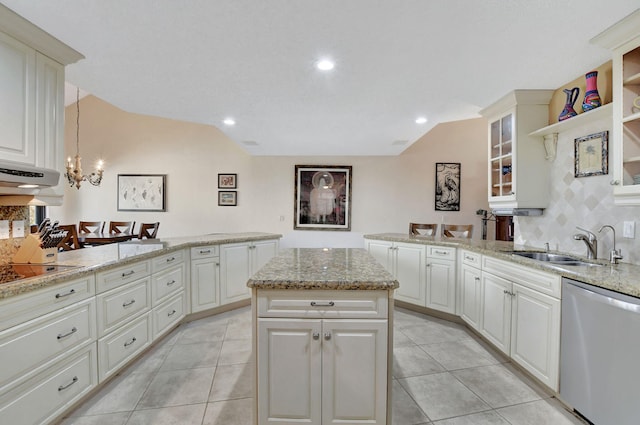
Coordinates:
322	337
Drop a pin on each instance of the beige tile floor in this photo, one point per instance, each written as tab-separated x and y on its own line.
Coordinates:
201	375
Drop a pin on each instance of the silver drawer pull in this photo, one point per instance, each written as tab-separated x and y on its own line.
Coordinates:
71	332
128	304
477	279
440	252
71	292
128	343
466	257
327	336
316	335
170	259
316	304
205	251
64	387
129	273
171	313
171	283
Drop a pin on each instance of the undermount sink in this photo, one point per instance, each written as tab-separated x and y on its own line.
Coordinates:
557	259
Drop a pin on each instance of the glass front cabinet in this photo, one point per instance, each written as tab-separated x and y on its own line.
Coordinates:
623	39
518	171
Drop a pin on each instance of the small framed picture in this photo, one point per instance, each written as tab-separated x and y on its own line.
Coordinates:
227	181
592	155
227	198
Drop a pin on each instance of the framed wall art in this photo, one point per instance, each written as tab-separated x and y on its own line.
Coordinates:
592	155
447	197
322	197
227	198
142	192
227	181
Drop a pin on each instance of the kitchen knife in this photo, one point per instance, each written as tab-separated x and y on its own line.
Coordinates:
41	226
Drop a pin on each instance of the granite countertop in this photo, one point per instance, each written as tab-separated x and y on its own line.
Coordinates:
98	258
623	277
323	268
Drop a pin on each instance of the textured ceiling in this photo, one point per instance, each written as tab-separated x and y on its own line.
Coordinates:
253	60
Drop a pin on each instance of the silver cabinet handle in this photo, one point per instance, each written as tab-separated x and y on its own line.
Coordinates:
129	273
614	182
466	257
317	304
71	332
327	336
440	252
170	259
171	313
131	341
71	292
316	335
64	387
171	282
128	304
205	251
477	279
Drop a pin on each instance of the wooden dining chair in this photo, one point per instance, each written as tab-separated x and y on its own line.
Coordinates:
148	230
70	241
457	230
121	226
91	227
422	229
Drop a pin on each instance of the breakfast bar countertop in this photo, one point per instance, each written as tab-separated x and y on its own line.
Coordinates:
323	268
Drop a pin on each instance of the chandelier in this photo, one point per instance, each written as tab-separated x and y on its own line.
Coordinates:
74	171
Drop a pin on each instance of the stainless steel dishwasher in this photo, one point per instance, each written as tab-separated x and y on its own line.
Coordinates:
600	354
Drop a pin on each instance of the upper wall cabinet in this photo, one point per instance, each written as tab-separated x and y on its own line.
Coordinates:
518	172
623	39
32	102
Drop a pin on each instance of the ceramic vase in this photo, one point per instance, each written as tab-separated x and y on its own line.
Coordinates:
591	97
568	111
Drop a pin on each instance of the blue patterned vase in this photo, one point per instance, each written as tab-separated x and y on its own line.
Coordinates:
568	111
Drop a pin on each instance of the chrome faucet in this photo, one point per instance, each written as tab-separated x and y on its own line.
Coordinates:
614	254
591	241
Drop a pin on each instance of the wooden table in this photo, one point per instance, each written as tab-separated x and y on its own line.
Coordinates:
103	238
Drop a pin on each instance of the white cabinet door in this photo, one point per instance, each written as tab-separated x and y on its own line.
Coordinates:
441	285
382	252
235	271
409	267
204	283
535	334
496	311
354	364
470	297
263	251
290	373
17	102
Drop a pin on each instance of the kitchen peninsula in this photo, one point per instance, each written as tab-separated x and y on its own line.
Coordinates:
322	335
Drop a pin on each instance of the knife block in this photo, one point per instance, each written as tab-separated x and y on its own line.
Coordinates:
31	252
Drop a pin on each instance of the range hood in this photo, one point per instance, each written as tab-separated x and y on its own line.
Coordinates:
524	212
22	176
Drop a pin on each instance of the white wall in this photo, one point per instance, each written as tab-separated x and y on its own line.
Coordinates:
388	192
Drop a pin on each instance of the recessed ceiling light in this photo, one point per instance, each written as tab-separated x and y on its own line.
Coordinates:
325	65
229	121
421	120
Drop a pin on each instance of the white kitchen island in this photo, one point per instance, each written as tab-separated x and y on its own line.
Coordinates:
322	338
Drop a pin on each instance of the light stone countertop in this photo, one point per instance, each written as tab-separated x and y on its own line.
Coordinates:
623	277
323	268
100	258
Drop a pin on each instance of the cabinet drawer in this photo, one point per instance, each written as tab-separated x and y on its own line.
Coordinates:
113	278
168	314
166	283
165	261
471	258
42	399
116	307
22	308
116	349
443	252
323	304
26	349
205	251
538	280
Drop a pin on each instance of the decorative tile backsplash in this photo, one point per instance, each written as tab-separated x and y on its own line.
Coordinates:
8	247
586	202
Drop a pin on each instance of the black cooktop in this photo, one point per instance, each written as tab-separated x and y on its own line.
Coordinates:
12	272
